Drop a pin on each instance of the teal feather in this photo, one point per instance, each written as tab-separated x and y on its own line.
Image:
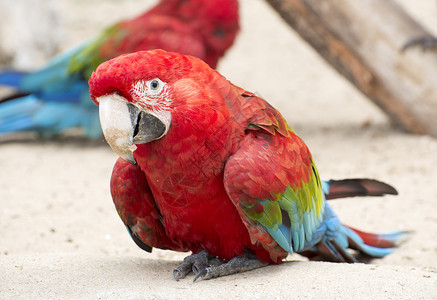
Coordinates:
296	227
369	250
280	238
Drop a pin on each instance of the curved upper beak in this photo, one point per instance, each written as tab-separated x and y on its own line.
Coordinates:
124	125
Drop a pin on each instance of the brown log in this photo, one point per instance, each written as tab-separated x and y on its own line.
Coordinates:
363	41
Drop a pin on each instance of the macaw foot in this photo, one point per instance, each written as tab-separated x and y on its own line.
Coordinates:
196	263
206	266
424	42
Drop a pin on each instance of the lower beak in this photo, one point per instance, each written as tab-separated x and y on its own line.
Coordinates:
124	125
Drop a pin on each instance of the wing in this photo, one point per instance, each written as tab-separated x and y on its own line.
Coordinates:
137	209
66	76
273	182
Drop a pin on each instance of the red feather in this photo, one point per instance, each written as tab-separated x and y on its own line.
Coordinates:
202	28
128	184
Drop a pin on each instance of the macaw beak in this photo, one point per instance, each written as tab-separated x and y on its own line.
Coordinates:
124	125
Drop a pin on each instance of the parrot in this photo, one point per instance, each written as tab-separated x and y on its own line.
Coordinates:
208	167
56	98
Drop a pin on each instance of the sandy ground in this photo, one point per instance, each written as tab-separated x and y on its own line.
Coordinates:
60	236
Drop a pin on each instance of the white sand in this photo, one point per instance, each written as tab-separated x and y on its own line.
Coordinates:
60	236
114	277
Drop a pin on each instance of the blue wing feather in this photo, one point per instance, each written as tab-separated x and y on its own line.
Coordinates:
47	118
11	78
59	100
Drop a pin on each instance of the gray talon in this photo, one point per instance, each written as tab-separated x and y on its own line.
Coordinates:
195	263
206	266
202	274
176	275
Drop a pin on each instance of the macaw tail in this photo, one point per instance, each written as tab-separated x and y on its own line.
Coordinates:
47	118
332	240
335	189
370	244
384	240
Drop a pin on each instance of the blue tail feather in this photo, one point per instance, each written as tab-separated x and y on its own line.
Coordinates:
20	106
332	240
16	115
48	118
16	124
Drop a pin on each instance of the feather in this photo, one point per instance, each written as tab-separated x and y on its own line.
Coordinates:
11	78
335	189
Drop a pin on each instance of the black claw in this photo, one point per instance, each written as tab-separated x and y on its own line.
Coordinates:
176	275
196	270
202	273
182	271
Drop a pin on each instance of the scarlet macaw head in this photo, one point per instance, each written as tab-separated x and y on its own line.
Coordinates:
138	94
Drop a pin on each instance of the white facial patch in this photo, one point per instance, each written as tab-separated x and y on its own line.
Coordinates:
155	96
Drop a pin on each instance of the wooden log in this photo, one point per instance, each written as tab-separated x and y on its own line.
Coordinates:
363	41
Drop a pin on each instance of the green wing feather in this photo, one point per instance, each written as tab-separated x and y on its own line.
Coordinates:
273	181
293	216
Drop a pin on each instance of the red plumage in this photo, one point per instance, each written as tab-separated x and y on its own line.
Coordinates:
128	184
202	28
185	169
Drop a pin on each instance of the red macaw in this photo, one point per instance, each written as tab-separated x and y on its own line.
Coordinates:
209	167
56	98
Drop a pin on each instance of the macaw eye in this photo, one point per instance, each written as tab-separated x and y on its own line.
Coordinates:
155	85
